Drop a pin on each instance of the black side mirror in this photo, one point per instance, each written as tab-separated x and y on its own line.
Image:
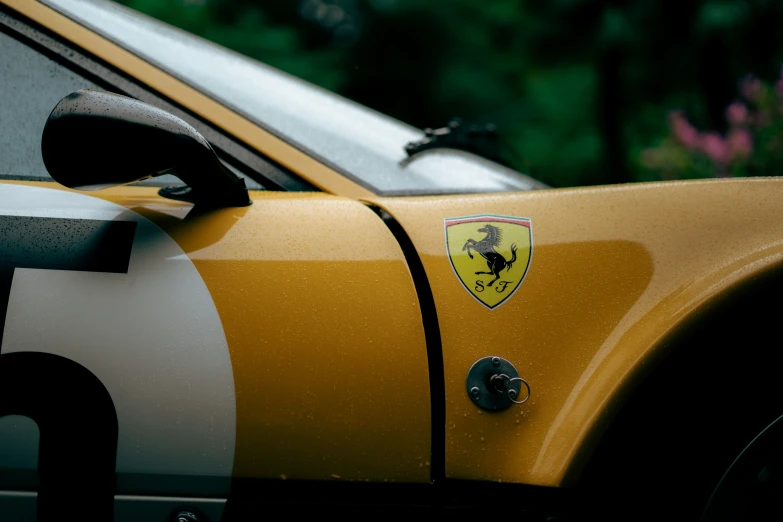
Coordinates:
95	139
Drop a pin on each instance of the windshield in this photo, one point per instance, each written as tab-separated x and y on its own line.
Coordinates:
363	144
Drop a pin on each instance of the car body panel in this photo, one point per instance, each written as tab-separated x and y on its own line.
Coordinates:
323	329
104	288
614	272
284	153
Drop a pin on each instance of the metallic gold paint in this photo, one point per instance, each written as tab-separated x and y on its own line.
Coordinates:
308	168
324	331
615	271
325	336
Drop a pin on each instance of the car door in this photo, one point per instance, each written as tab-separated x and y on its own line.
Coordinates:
155	357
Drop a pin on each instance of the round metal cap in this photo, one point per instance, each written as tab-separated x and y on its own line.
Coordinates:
489	381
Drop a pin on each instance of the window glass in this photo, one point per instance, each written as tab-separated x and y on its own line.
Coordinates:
366	145
30	86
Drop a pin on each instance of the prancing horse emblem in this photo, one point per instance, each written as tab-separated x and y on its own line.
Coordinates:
486	248
505	252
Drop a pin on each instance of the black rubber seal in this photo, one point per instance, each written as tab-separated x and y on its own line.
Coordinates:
429	318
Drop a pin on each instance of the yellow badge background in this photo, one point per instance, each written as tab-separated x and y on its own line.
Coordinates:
460	230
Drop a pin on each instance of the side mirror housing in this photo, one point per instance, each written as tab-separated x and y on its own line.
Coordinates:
95	139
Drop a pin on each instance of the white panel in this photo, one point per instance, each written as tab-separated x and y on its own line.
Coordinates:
152	336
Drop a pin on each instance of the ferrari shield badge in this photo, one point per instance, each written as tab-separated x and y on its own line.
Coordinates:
490	255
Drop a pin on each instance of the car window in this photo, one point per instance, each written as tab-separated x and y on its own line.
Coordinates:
30	86
363	144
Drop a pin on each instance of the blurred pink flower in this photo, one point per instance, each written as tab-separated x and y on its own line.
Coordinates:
716	148
737	113
751	88
740	142
683	131
754	120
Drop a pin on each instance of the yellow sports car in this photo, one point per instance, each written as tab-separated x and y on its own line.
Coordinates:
225	292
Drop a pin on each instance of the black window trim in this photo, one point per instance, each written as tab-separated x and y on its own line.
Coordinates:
268	173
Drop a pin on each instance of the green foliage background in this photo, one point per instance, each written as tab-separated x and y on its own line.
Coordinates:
578	88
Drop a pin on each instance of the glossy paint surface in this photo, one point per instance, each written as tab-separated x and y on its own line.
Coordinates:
615	270
325	337
308	168
324	333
